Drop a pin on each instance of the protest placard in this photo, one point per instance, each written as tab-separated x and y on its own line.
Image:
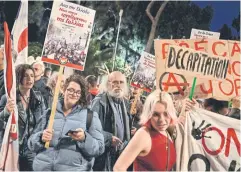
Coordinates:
68	35
188	62
208	143
144	76
197	33
221	90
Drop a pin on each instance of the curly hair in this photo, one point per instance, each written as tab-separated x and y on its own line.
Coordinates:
20	71
83	85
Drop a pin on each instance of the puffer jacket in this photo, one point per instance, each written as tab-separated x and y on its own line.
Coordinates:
65	154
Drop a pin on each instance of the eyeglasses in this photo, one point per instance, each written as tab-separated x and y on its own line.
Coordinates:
71	91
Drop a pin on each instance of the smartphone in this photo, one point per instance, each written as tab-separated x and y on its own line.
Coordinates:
70	131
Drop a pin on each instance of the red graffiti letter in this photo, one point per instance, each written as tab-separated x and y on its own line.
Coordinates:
232	88
212	152
198	47
231	134
236	48
214	49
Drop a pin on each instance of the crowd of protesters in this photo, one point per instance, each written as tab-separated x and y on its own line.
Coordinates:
93	127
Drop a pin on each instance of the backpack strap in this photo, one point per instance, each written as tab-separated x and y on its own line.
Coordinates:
89	118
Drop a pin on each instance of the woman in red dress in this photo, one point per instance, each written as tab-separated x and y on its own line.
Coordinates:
152	147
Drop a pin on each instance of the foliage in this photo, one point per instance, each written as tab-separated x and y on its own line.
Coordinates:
35	49
225	32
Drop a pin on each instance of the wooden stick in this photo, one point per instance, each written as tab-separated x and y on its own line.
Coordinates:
54	104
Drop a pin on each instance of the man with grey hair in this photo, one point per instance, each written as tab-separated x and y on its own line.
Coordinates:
39	84
113	110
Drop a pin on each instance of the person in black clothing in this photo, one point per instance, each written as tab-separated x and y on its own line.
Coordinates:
47	75
30	107
39	84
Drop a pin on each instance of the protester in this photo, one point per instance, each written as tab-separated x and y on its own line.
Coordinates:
137	104
30	107
2	88
93	89
2	91
235	110
73	146
216	106
152	147
50	89
113	109
39	84
47	74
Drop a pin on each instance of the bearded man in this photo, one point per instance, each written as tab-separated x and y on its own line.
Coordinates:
113	110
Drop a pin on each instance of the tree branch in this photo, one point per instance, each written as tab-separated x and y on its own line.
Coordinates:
148	13
128	48
160	10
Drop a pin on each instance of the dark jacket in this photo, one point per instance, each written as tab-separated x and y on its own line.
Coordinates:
102	106
234	113
65	154
28	120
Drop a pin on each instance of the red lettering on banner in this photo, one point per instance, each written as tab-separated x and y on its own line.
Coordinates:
214	49
233	68
232	89
174	83
237	87
209	91
198	45
164	52
184	44
236	48
213	152
232	134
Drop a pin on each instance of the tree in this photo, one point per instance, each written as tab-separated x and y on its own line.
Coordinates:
236	24
225	32
154	21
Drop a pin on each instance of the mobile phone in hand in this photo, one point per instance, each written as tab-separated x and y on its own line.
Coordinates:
71	132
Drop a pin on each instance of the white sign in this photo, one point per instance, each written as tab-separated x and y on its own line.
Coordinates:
144	76
211	142
68	36
196	34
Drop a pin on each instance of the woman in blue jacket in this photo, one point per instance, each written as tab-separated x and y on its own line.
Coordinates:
69	151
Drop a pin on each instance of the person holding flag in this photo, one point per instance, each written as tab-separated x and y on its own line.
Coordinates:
30	108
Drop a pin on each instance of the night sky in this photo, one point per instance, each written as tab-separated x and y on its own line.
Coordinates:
224	13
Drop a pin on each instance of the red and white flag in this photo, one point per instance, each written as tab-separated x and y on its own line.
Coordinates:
20	33
10	145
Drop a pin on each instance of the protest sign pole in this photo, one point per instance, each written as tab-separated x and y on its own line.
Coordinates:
117	38
193	88
54	104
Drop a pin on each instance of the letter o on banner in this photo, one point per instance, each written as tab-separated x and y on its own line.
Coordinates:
198	156
212	152
222	90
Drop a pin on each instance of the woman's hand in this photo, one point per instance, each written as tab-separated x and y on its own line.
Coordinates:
189	104
78	135
47	135
10	105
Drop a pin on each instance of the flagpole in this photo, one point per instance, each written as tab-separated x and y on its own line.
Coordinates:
117	38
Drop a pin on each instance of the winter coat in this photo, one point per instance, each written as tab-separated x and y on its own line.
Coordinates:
28	121
102	106
65	154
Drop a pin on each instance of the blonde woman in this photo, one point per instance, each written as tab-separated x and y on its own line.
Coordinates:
152	147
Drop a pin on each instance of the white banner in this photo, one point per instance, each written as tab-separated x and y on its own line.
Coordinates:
211	143
197	33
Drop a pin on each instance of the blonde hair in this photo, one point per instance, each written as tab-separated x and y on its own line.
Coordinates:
151	100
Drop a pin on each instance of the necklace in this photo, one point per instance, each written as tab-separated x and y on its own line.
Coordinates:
25	98
167	144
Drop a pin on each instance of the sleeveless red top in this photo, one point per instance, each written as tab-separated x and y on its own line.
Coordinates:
156	159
